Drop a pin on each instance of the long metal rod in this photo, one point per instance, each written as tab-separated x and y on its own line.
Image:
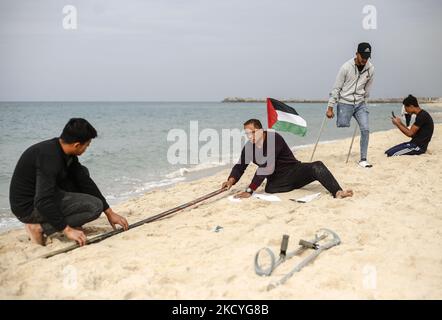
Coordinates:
351	144
319	136
106	235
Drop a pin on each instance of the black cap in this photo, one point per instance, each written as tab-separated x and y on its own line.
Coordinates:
364	49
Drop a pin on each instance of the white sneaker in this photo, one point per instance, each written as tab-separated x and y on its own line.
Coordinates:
365	164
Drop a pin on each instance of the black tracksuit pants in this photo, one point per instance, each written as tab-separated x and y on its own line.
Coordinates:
301	174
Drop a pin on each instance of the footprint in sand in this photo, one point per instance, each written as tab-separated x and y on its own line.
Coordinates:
21	288
132	267
363	239
130	296
255	226
339	203
21	238
289	220
274	242
92	231
385	176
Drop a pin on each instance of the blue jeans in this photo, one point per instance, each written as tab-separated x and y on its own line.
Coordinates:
360	112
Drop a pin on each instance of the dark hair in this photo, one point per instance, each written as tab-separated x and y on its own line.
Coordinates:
410	101
78	130
256	123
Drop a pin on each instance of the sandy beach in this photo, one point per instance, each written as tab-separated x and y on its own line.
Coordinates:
391	233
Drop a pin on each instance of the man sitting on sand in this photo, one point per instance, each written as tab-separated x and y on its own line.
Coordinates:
277	164
420	132
51	191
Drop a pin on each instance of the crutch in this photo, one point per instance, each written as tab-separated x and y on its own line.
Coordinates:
319	136
352	139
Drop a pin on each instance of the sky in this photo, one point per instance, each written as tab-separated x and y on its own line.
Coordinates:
206	50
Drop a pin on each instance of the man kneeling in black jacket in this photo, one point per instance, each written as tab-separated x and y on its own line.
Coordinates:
51	191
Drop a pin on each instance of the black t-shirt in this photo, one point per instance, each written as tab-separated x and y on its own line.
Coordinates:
425	132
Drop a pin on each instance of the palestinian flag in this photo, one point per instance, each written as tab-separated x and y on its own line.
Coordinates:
284	118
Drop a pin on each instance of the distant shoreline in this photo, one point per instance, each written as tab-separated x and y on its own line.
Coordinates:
379	100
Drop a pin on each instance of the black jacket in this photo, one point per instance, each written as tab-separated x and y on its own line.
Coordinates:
270	164
42	171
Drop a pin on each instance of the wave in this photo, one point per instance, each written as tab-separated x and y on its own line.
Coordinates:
153	184
181	172
8	223
303	146
141	188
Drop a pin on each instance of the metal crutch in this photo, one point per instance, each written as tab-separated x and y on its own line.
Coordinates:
319	136
351	144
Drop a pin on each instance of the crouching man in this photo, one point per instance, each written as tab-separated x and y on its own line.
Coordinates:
52	192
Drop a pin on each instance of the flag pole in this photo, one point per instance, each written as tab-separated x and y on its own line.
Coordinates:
319	136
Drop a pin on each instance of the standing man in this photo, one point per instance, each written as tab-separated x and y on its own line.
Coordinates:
350	93
52	192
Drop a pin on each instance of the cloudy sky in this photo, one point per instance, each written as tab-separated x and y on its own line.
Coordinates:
205	50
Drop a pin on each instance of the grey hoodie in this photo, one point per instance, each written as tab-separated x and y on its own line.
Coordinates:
352	86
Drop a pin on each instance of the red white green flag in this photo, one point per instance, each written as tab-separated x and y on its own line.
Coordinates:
282	117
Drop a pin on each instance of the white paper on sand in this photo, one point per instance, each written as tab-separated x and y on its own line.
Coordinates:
308	198
261	196
266	197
